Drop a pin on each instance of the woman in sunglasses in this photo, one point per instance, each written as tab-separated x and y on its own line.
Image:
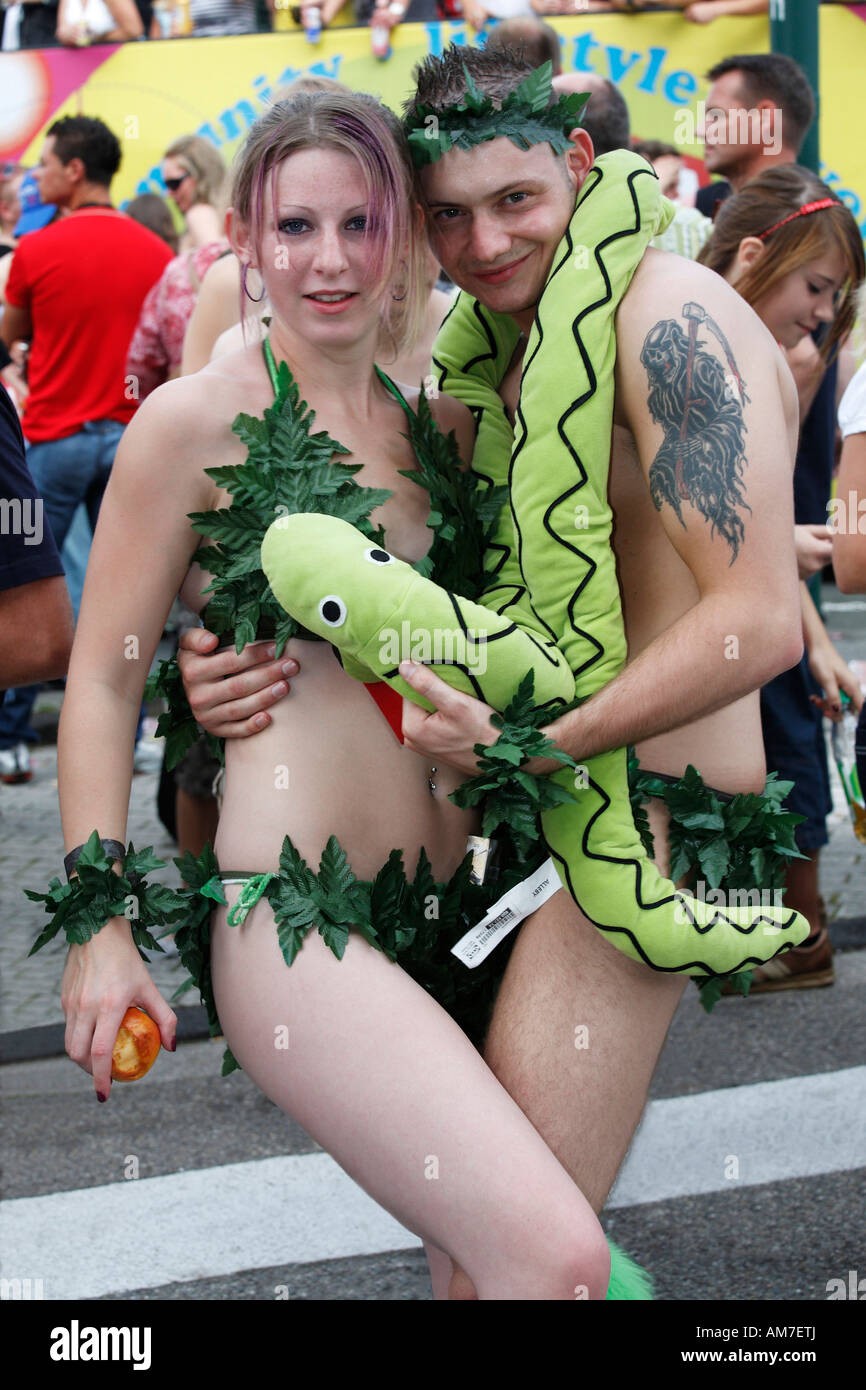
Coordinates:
194	173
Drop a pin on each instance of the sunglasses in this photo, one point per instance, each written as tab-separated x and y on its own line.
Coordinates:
174	184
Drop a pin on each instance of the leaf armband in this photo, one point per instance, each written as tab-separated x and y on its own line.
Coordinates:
82	907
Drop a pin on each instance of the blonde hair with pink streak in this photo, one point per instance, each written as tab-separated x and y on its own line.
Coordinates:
354	123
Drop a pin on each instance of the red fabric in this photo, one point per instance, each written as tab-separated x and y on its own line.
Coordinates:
157	343
390	703
82	280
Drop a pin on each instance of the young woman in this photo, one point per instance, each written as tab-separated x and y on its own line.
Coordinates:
849	535
194	173
376	1072
793	251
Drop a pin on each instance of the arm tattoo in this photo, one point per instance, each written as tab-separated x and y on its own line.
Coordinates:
700	408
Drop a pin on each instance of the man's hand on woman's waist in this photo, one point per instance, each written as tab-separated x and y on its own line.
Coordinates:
229	692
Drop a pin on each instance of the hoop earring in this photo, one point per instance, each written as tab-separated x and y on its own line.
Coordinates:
398	298
252	298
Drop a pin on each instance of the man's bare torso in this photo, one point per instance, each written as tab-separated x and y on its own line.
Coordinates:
657	588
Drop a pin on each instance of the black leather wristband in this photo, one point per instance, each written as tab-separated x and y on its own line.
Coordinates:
113	848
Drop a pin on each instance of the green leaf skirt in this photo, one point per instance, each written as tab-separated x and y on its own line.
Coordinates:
413	921
721	843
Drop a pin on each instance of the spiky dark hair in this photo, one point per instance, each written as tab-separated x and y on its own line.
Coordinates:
440	82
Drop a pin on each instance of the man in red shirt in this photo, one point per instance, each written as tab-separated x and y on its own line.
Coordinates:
75	292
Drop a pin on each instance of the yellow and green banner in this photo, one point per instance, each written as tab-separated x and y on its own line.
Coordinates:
151	93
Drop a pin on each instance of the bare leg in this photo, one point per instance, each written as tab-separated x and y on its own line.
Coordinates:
388	1084
576	1034
441	1270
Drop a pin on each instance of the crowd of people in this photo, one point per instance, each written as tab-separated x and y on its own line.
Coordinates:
131	350
77	23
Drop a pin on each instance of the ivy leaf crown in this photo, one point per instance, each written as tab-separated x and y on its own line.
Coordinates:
526	117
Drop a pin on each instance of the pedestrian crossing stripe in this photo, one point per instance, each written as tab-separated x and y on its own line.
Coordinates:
302	1208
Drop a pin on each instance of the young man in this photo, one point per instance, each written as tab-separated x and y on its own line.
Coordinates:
75	291
497	214
35	614
758	112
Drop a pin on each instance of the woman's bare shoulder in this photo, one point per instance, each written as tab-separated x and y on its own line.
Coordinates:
179	430
205	403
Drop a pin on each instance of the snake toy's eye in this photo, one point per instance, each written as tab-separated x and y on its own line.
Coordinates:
333	611
378	557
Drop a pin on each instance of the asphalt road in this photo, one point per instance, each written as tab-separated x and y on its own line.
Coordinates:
230	1200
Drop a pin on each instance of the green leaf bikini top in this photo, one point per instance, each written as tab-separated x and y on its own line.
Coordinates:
291	469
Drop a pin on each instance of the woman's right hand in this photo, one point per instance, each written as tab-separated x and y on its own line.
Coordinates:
101	980
229	693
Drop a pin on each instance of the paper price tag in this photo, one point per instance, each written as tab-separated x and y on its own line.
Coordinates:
505	914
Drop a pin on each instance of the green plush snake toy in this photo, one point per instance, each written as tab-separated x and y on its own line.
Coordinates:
552	605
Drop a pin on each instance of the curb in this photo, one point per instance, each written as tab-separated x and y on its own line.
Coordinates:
848	933
47	1040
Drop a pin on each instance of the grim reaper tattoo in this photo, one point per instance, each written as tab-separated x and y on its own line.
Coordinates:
700	408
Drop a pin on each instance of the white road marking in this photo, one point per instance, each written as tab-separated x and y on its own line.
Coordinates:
744	1135
300	1208
211	1221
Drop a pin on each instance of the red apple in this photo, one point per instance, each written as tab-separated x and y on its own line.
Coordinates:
136	1047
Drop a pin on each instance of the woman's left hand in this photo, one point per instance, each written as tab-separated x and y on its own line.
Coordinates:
450	733
814	547
833	675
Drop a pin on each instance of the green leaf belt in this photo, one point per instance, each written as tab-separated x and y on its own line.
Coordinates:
415	921
744	841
